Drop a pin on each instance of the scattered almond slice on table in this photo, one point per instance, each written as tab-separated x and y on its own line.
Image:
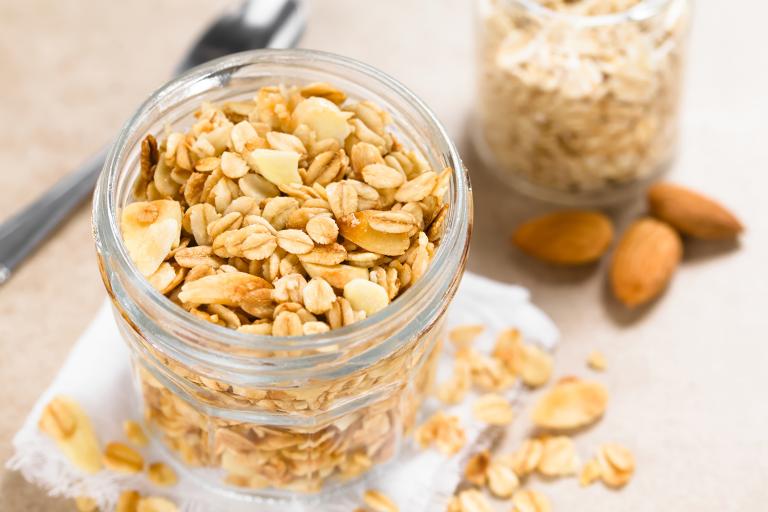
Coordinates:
572	403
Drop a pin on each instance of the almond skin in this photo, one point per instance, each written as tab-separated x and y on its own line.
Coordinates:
692	213
570	237
645	259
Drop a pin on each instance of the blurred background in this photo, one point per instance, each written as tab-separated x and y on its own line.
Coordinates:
685	374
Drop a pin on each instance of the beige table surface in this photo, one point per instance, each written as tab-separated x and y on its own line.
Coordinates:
688	377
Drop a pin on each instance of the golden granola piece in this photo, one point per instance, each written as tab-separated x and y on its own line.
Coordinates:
571	403
122	458
135	433
442	430
596	361
66	422
493	409
463	335
558	457
502	480
378	502
162	474
617	464
528	500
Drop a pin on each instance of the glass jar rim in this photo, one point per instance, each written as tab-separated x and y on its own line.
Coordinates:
106	219
643	10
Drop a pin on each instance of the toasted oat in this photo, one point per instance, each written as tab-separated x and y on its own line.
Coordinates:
596	361
66	422
455	389
122	458
617	464
128	501
570	404
161	474
475	470
442	430
493	409
379	502
323	230
470	500
463	335
590	472
558	457
155	504
528	500
135	433
532	364
527	457
502	480
86	504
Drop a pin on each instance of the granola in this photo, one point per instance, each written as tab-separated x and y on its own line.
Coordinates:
295	213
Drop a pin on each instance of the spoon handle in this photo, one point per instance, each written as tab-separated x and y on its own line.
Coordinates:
23	232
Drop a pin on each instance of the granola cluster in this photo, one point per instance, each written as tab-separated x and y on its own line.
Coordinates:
576	107
292	214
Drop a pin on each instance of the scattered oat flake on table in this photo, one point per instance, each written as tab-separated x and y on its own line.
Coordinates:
590	472
532	364
502	480
470	500
558	457
617	464
493	409
528	500
476	467
596	361
379	502
135	433
463	335
155	504
444	431
162	474
122	458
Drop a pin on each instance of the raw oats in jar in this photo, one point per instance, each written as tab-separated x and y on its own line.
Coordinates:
578	100
281	233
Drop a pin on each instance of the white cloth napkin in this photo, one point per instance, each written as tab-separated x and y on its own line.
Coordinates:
97	375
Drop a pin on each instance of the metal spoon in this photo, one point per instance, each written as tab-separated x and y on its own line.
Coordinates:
255	24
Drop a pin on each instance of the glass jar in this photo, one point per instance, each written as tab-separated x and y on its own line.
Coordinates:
264	415
578	100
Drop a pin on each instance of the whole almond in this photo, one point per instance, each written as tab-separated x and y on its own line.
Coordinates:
644	261
570	237
692	213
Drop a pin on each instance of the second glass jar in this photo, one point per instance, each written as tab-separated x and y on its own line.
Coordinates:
578	101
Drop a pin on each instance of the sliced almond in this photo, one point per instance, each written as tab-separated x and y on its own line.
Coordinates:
279	167
324	118
357	229
150	230
227	289
365	295
336	275
66	422
570	404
